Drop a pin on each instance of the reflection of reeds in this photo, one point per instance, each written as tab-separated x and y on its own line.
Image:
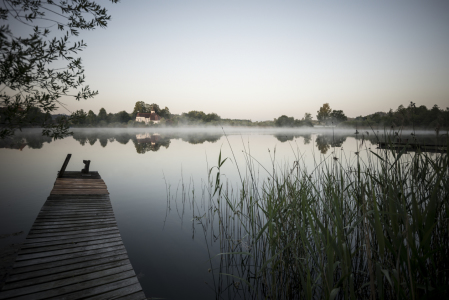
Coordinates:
375	229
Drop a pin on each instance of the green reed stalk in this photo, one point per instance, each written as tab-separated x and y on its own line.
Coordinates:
378	229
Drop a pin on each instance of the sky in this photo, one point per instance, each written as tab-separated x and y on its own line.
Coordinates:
259	60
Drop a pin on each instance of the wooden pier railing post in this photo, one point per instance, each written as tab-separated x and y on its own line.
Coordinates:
64	165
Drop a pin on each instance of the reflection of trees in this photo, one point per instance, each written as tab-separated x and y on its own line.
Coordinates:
123	138
325	142
289	137
19	141
200	138
14	142
104	137
92	140
36	141
284	138
338	140
145	143
103	141
307	138
81	139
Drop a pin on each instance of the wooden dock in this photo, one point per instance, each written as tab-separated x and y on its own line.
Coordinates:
74	249
412	146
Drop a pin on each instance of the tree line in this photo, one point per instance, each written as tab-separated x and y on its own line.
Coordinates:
408	117
411	116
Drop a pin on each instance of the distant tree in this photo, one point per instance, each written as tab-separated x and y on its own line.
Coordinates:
78	117
324	113
37	69
307	120
123	117
284	121
91	118
139	107
102	115
165	113
194	115
211	117
337	116
153	107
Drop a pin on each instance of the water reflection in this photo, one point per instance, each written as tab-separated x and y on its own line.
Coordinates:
150	142
143	141
153	141
325	142
21	140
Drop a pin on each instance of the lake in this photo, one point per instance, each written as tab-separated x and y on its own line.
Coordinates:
146	171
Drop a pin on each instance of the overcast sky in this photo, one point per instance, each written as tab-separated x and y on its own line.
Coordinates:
262	59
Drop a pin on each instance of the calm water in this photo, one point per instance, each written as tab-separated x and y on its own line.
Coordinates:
139	168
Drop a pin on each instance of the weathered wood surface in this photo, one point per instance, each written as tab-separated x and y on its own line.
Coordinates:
74	249
412	147
64	165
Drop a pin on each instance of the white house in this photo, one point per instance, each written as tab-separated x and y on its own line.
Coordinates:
147	117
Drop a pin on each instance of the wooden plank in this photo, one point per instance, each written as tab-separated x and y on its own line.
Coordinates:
63	217
83	180
73	216
55	221
14	284
73	229
57	228
69	262
72	245
68	233
110	283
63	286
77	206
75	209
65	257
32	245
74	212
78	180
43	237
90	186
68	268
77	202
72	221
89	192
61	254
68	197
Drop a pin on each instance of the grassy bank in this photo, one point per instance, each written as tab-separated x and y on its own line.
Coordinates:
371	228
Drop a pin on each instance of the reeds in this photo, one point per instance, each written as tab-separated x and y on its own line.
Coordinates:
352	228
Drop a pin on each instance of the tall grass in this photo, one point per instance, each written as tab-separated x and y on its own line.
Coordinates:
372	228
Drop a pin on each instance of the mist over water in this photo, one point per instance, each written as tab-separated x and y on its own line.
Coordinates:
145	169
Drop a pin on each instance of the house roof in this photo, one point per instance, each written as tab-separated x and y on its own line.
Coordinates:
151	116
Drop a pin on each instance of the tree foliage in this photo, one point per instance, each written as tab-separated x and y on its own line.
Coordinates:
284	121
324	113
29	77
411	116
102	115
198	117
337	116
